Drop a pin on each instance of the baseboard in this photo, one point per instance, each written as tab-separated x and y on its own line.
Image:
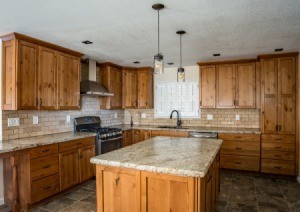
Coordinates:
298	179
1	201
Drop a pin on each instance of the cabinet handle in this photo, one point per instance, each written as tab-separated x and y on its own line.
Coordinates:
278	139
46	188
279	127
79	143
277	147
238	148
238	137
277	167
41	102
276	127
46	167
117	180
46	150
36	102
277	155
238	163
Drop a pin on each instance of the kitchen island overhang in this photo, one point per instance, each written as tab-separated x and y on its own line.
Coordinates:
162	173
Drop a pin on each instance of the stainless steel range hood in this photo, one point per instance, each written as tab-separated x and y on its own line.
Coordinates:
90	86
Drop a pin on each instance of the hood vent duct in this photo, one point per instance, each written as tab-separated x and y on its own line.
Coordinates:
90	86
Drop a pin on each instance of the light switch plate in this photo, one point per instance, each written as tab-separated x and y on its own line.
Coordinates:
68	119
13	122
210	117
116	115
237	117
144	115
35	119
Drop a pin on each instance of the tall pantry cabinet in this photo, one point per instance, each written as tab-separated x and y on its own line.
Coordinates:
278	113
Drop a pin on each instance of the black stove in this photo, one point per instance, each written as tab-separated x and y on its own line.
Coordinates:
108	138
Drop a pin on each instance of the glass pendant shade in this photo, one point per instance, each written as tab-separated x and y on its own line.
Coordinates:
158	64
180	75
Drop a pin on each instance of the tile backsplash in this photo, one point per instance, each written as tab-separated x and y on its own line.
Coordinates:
55	121
249	118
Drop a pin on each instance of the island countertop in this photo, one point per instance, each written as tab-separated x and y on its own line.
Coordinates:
190	157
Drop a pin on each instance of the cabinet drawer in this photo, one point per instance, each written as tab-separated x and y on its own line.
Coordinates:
278	155
278	147
278	167
43	151
278	138
239	137
44	188
240	162
240	148
43	167
76	144
155	133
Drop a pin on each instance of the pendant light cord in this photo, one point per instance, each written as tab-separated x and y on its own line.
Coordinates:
158	31
180	51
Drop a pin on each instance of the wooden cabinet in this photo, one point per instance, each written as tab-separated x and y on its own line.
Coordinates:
228	84
111	79
170	133
240	151
127	139
208	87
118	189
74	161
141	135
38	75
145	88
129	88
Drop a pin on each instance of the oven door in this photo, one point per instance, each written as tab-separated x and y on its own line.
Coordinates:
108	145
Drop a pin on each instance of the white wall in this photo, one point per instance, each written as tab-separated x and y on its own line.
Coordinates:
1	164
170	75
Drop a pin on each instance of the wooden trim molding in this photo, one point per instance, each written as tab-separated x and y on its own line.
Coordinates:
109	64
251	60
18	36
268	56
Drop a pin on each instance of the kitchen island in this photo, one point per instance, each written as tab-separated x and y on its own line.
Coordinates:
159	174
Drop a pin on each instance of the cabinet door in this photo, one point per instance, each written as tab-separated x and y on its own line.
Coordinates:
113	187
129	89
69	169
86	168
47	93
209	192
208	87
116	88
27	79
245	85
68	82
127	138
269	95
142	85
225	86
286	95
167	193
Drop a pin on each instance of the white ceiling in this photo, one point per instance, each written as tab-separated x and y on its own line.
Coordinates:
125	31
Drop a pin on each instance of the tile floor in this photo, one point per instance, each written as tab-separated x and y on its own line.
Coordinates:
240	191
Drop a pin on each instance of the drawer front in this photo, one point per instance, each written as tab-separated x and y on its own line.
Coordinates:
240	148
278	147
277	167
239	137
155	133
278	138
44	167
43	151
278	155
76	144
44	188
240	162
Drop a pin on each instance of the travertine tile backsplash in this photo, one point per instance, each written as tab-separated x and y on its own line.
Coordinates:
249	118
55	121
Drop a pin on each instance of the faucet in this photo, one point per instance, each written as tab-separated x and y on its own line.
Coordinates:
179	122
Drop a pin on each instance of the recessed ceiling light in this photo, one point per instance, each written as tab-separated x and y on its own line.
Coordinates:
136	62
87	42
170	63
216	54
278	50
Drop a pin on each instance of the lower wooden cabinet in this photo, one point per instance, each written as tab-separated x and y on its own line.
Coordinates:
86	168
127	139
141	135
239	162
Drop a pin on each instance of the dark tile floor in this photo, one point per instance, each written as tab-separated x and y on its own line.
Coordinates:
240	191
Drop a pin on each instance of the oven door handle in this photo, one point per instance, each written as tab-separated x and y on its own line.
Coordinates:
111	139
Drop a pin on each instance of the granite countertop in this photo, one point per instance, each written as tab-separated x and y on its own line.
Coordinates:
190	157
25	143
192	128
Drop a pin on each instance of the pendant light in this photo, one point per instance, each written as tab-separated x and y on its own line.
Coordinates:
158	58
180	72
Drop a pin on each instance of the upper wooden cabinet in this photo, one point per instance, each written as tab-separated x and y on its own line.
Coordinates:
278	94
38	75
111	79
230	84
137	88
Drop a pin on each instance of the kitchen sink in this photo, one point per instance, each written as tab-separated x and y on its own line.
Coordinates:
172	127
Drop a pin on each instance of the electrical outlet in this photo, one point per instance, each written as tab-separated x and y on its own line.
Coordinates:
35	119
116	115
144	115
13	122
237	117
210	117
68	119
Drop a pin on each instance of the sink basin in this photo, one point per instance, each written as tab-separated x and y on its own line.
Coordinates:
172	127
